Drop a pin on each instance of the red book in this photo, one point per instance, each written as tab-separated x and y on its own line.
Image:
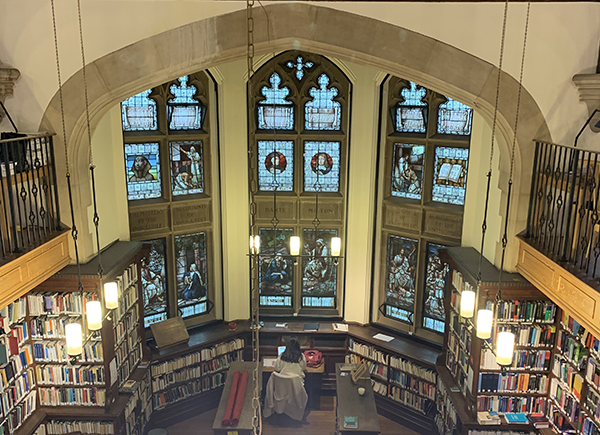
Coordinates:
13	345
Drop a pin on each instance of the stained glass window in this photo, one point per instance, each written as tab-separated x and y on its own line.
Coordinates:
276	165
276	269
299	66
450	175
187	170
321	166
322	112
435	288
401	263
411	114
407	171
454	118
154	283
139	112
191	274
319	273
142	163
185	113
275	112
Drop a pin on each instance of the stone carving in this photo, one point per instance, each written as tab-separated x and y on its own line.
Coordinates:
588	86
8	78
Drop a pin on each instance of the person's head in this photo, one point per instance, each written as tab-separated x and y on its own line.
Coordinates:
278	258
292	351
193	267
322	160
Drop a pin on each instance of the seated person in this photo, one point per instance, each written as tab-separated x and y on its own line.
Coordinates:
292	360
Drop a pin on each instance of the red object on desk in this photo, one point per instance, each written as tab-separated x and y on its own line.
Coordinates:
231	400
239	399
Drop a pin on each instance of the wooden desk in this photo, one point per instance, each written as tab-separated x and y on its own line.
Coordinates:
320	369
351	404
312	382
245	425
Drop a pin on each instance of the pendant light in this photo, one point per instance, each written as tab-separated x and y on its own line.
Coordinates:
485	319
295	245
254	245
94	315
111	295
74	339
467	303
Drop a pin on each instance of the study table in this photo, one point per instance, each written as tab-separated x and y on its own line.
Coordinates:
352	404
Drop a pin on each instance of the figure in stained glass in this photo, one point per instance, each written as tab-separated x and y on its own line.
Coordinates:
140	169
186	167
402	262
275	163
407	173
322	166
322	112
154	283
191	274
275	111
143	171
435	283
321	163
319	270
275	269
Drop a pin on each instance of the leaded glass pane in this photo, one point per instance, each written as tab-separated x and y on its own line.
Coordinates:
435	286
275	165
191	273
401	276
454	118
276	269
407	172
139	112
321	166
450	175
299	66
322	112
411	114
143	171
275	112
187	167
319	273
154	283
185	113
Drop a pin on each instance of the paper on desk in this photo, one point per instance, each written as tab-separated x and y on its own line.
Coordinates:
383	337
281	325
269	362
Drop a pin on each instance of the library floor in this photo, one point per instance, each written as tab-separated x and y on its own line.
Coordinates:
320	422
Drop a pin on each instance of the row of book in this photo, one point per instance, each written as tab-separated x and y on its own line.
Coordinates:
64	427
368	351
409	399
379	388
503	404
127	327
564	399
416	385
535	335
128	365
124	349
192	388
21	412
14	313
13	394
72	375
59	396
56	351
513	382
592	372
590	427
459	374
48	327
446	417
128	296
522	360
459	283
461	355
57	304
377	369
592	402
572	348
128	277
196	357
462	330
564	371
527	311
413	369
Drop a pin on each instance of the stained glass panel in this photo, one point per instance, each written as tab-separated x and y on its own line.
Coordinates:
454	118
411	114
185	112
191	274
139	112
322	166
142	163
407	172
435	287
401	263
319	273
275	165
154	283
322	112
450	175
275	112
187	167
276	270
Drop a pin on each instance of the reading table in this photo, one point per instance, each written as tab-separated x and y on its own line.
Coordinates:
353	406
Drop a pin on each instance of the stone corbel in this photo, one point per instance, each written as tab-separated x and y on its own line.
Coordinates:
8	78
588	86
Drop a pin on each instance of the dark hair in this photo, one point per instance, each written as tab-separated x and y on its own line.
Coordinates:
292	351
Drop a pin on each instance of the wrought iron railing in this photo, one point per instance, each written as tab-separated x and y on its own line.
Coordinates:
29	210
564	217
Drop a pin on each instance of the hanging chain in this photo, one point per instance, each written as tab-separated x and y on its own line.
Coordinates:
254	257
74	231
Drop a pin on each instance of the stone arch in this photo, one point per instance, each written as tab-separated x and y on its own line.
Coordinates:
389	48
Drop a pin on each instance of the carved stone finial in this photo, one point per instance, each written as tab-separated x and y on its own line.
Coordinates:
588	86
8	78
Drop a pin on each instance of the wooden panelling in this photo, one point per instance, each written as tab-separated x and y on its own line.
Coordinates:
32	268
569	292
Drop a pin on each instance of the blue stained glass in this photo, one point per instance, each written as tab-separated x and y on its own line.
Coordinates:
275	165
401	264
450	175
139	112
435	288
276	269
319	273
187	167
154	283
322	112
185	113
321	166
407	171
142	163
454	118
275	112
411	114
191	273
299	67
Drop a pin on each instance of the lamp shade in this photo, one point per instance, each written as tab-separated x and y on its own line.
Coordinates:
74	338
295	245
111	295
484	323
505	346
467	303
254	244
336	246
94	315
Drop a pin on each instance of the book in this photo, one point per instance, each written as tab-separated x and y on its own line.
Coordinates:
488	418
311	327
539	421
350	422
340	327
516	418
450	172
